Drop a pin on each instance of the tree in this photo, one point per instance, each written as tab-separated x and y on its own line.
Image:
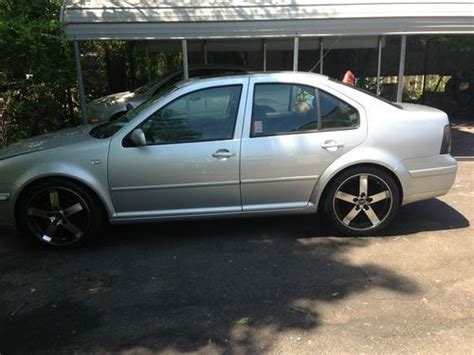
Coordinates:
37	76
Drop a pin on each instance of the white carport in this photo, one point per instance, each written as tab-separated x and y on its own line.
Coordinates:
258	19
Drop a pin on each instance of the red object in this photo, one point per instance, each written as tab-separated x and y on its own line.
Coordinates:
348	78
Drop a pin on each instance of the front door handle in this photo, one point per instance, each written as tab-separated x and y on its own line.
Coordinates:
223	154
331	145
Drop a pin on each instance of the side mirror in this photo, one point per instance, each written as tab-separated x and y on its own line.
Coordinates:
130	107
138	137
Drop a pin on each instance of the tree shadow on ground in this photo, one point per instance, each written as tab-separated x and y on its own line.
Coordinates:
187	286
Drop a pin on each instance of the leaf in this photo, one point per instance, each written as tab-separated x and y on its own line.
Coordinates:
242	321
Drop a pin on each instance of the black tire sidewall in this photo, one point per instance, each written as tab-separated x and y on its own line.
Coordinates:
95	210
346	174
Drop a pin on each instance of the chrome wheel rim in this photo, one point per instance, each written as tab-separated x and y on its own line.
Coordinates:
58	216
362	202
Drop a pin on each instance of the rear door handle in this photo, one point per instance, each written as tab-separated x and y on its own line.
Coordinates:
331	145
223	154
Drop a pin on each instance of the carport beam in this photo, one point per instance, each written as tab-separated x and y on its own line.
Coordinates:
296	46
184	44
379	63
80	83
401	68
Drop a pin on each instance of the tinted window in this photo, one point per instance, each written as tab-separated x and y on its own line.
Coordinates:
203	115
283	108
336	113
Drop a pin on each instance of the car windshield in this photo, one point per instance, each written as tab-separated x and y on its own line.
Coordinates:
108	129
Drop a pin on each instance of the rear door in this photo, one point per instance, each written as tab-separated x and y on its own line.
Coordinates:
292	133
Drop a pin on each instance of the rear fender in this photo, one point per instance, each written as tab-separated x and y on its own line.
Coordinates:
358	156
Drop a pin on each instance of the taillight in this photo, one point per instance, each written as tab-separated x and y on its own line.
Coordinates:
446	144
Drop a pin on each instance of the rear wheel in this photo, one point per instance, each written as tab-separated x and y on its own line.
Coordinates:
59	213
362	201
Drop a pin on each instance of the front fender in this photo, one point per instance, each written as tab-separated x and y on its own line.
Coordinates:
79	175
87	166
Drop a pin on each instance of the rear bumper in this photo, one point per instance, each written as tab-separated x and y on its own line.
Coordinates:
424	178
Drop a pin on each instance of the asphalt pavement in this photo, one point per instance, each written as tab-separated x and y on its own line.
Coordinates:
260	285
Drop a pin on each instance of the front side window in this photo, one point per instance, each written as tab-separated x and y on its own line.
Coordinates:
292	108
283	108
203	115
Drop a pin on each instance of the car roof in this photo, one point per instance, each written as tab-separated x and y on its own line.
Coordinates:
195	67
282	75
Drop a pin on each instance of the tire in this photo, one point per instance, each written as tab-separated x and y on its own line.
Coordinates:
59	213
362	201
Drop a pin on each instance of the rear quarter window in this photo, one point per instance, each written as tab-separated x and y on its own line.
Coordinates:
336	113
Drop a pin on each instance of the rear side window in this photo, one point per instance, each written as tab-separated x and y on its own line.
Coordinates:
283	108
292	108
335	113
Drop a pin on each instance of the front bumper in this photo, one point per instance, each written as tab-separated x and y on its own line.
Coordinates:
424	178
7	205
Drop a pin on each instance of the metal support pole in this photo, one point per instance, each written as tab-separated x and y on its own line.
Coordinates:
204	50
296	46
80	83
321	55
401	68
264	50
148	62
379	63
425	71
185	58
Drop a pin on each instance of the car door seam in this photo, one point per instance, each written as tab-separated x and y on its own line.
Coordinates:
244	121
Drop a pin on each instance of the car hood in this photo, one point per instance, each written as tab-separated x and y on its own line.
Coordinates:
53	140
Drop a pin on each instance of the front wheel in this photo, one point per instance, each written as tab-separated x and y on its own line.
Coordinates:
58	213
362	201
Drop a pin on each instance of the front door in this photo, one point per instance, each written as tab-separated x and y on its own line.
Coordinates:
293	133
190	164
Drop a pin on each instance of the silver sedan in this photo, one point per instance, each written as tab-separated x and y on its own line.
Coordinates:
261	144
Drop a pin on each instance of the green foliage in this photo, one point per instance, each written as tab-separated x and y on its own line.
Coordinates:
36	69
104	67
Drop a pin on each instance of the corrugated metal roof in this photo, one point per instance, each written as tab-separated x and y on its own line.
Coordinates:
199	19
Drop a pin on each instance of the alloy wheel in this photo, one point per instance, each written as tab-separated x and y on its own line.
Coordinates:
58	216
362	202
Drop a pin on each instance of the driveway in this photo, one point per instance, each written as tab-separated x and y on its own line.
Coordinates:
277	285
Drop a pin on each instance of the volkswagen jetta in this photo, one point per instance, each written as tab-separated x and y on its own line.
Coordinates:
264	143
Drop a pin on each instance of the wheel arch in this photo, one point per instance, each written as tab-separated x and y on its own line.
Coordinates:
320	194
94	193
